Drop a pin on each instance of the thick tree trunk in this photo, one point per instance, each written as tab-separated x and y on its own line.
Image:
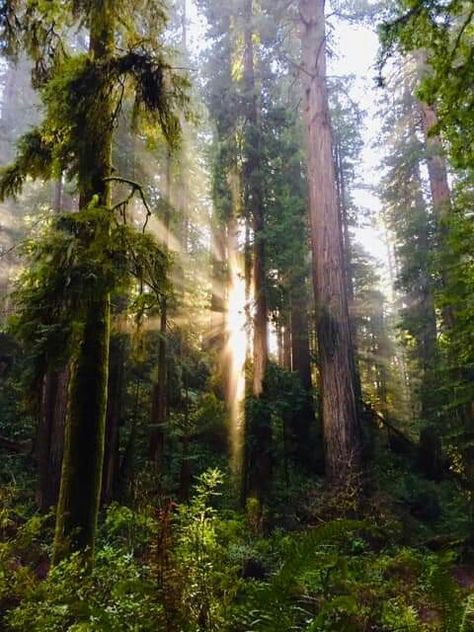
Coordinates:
440	191
259	428
438	177
442	207
218	307
81	478
338	397
84	444
437	171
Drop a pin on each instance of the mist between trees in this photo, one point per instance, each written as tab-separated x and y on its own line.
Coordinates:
219	409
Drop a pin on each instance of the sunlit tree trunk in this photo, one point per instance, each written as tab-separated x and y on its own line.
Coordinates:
335	354
259	428
81	477
287	351
218	256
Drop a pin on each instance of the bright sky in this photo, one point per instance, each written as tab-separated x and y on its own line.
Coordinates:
356	48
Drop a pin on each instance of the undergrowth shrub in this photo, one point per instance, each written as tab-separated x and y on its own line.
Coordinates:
118	594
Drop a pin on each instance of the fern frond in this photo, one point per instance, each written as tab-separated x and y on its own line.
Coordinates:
467	623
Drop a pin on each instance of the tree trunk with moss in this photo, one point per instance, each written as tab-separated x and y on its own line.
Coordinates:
76	521
335	354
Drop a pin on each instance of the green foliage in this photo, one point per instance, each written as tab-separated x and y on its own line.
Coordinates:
34	158
201	567
209	582
467	624
74	98
127	529
23	548
443	30
446	593
117	594
65	272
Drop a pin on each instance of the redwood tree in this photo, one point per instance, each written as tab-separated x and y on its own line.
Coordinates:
335	353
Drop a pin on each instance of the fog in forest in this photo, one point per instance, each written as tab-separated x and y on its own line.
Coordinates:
236	315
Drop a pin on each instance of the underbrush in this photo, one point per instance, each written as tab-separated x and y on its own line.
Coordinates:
203	566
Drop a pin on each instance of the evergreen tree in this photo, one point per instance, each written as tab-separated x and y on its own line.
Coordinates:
81	105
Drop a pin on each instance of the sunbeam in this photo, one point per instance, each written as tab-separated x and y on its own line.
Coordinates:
236	352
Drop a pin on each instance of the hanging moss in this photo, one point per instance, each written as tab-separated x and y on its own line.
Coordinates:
64	298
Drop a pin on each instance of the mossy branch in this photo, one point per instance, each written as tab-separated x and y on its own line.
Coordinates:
34	158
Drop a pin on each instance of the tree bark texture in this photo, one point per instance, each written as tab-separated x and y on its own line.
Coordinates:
335	354
50	438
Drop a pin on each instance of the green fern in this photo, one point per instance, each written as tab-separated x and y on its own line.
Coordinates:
446	593
467	623
281	604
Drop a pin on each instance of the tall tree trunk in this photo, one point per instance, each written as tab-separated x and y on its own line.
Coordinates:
113	417
437	175
218	308
437	171
81	478
427	339
52	418
335	354
442	207
348	270
50	439
160	389
306	448
259	428
287	350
